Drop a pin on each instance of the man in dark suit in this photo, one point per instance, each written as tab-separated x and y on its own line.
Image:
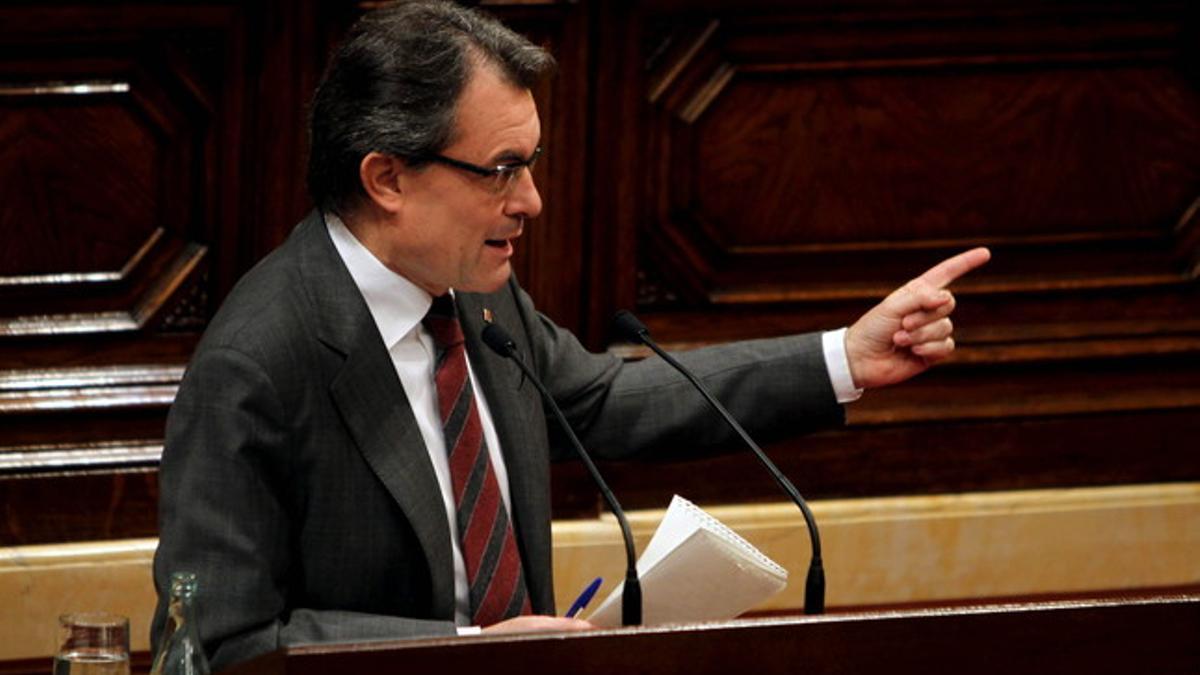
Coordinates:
313	476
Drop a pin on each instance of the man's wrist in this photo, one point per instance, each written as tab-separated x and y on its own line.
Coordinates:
833	343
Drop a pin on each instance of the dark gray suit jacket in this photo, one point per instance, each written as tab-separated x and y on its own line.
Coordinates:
295	482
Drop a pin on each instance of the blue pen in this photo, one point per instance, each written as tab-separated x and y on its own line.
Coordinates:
584	598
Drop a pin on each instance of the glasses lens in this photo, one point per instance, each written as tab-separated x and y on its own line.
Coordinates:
507	178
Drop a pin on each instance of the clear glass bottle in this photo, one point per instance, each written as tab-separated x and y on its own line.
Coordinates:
180	652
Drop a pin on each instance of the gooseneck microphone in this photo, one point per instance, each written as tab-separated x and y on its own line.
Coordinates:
631	596
633	330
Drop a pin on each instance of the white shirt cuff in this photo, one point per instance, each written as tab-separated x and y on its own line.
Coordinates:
464	631
834	344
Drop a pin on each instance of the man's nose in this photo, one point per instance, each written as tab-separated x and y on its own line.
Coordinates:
524	200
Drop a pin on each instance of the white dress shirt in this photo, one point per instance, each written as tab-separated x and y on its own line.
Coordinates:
397	305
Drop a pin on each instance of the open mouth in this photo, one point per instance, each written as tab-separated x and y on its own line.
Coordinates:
503	242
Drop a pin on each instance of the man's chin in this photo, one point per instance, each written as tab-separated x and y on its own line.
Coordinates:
489	284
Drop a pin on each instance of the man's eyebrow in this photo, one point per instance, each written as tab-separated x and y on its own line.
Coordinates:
509	156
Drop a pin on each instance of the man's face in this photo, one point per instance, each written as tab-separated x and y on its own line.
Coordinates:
455	230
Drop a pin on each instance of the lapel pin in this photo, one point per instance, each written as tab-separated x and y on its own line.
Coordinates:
487	315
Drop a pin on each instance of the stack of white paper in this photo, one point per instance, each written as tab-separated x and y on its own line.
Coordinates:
696	569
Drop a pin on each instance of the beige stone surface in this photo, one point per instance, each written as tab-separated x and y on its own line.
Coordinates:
944	547
877	552
38	583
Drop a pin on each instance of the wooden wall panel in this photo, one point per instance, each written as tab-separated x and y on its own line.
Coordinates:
730	171
140	159
794	156
792	163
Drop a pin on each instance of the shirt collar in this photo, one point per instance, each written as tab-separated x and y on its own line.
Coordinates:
396	304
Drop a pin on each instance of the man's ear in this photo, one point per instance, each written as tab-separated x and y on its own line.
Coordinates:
380	176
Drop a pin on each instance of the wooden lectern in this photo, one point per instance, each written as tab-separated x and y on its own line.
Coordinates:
1158	635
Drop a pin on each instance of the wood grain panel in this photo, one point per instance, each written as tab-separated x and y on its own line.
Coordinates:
79	506
109	138
61	176
1106	637
732	170
797	161
794	161
908	457
784	147
142	152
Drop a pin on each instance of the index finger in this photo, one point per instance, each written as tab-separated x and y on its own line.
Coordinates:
945	272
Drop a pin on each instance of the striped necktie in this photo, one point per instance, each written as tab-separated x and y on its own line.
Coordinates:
485	533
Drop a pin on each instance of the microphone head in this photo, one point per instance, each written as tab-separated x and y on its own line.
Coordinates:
629	327
499	340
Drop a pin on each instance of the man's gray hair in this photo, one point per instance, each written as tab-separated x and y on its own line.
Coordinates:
393	86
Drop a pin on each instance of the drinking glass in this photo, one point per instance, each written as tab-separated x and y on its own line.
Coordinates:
92	643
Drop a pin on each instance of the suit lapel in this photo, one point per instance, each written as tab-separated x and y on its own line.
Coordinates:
372	403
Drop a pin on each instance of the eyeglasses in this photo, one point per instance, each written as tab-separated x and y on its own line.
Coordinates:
501	177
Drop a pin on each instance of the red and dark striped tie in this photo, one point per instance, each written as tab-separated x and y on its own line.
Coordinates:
485	533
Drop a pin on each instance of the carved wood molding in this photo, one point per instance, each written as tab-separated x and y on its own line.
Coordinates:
90	277
64	88
34	459
152	303
728	93
29	391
